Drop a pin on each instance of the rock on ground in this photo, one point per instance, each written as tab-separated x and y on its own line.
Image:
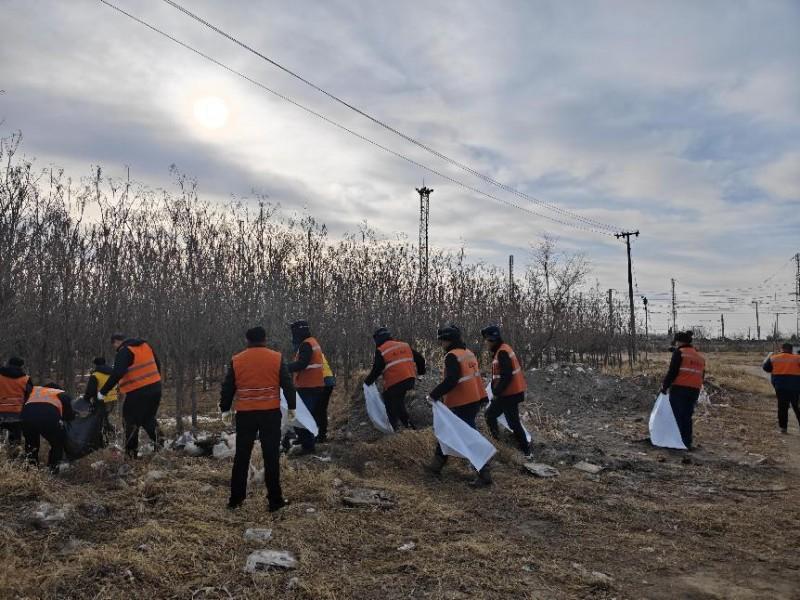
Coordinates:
264	560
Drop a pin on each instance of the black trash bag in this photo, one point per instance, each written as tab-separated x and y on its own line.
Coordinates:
85	431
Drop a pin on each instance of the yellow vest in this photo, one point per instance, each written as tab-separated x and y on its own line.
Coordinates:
326	368
111	396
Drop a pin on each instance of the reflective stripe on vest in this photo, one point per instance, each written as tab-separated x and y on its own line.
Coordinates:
143	371
257	372
111	396
312	376
691	370
785	364
43	395
399	362
12	394
469	388
518	384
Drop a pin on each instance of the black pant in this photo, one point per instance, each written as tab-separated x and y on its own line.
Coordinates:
683	400
266	426
467	413
394	398
321	412
311	397
508	406
787	398
140	410
43	421
106	432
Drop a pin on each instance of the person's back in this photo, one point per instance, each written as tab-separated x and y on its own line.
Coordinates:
45	410
784	368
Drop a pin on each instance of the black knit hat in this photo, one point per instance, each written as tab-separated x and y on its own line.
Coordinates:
684	337
491	333
256	335
99	361
118	337
16	361
449	333
381	335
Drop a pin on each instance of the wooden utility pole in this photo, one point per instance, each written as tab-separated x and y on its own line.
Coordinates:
646	327
632	344
797	298
511	286
758	325
722	323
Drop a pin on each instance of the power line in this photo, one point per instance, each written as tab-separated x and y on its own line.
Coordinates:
486	178
350	131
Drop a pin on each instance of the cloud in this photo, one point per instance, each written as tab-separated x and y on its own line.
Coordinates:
782	177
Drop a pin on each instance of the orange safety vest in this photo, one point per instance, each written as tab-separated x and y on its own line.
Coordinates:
518	384
469	388
399	362
44	395
692	368
12	394
784	363
311	376
143	371
257	372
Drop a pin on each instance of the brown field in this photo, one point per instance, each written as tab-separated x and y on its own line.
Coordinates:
648	526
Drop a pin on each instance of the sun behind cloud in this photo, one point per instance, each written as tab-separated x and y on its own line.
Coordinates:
211	112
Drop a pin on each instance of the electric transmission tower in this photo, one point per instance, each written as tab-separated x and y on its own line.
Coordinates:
424	221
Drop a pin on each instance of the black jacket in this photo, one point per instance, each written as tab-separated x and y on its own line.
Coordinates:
229	386
304	354
16	373
506	371
90	393
122	361
378	364
452	372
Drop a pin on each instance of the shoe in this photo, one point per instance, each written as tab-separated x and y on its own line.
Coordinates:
784	430
528	457
233	505
279	505
436	465
322	439
483	479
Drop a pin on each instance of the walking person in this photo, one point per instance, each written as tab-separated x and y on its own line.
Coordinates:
309	381
15	386
785	370
254	379
683	383
399	365
108	404
508	388
137	370
43	416
461	391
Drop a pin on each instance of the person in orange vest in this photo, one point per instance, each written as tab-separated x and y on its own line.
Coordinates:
255	377
137	370
309	379
785	370
15	385
508	388
461	391
683	382
399	365
46	409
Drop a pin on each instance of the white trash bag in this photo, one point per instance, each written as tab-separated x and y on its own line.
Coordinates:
502	418
664	430
376	409
303	417
459	439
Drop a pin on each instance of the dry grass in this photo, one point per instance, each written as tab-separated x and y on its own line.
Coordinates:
657	527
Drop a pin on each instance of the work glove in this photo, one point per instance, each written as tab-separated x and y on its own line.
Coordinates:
227	418
292	414
100	396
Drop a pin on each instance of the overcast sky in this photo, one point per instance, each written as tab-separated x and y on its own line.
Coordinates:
679	119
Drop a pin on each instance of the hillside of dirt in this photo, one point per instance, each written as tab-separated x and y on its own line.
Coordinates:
366	521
